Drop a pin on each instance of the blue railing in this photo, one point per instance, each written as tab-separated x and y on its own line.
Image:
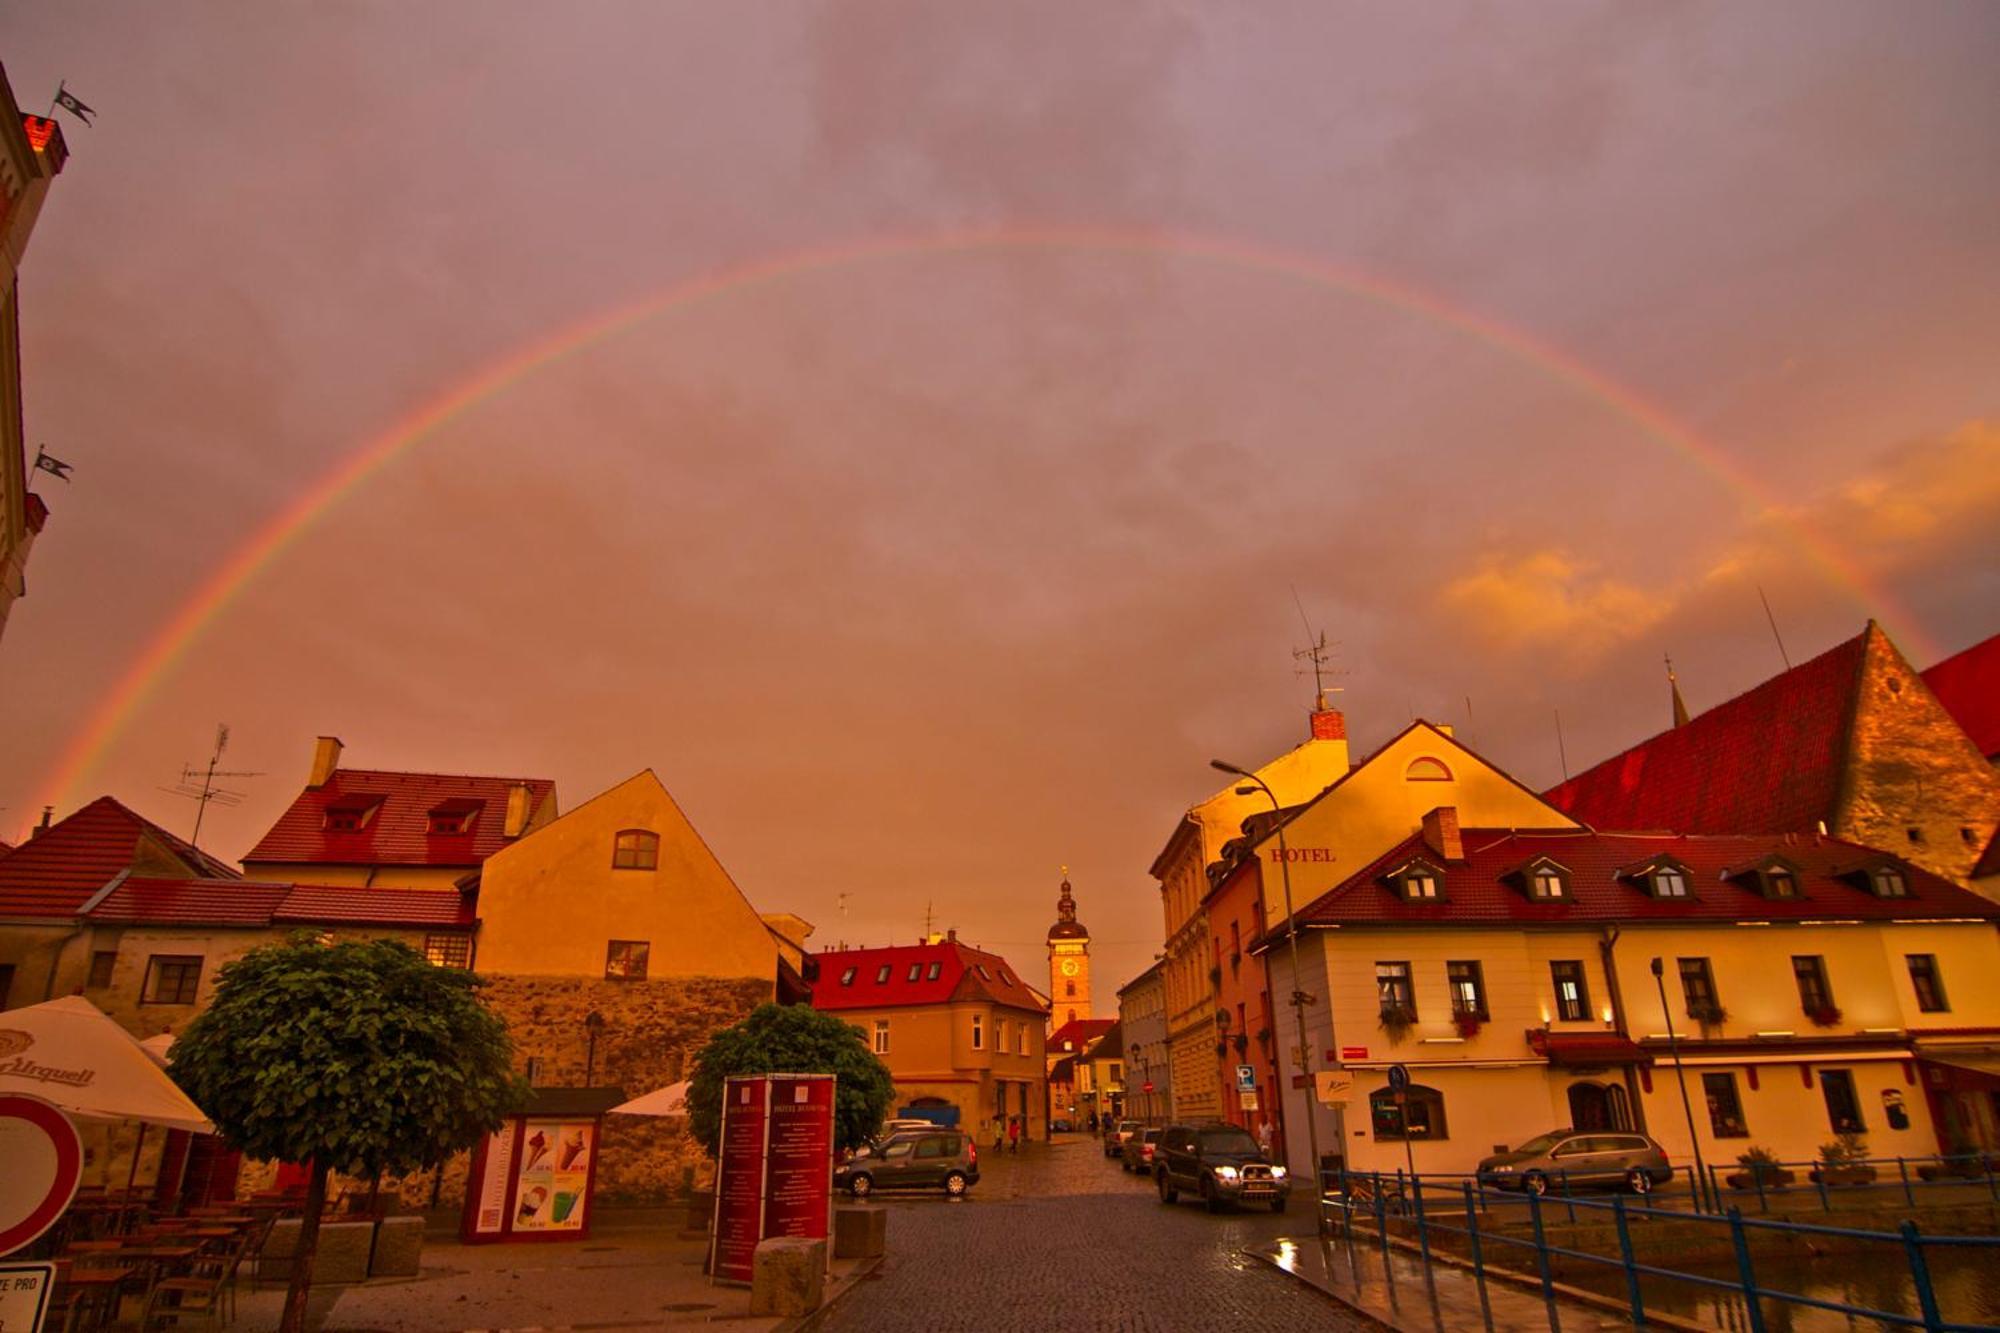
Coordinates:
1380	1197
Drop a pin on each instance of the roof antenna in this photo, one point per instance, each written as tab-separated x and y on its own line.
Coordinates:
198	784
1561	753
1783	656
1320	653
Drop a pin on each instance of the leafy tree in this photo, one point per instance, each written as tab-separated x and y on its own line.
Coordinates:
359	1057
792	1039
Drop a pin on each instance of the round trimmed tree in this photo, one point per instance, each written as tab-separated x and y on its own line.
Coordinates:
792	1039
359	1057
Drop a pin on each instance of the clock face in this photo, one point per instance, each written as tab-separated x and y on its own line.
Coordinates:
1069	967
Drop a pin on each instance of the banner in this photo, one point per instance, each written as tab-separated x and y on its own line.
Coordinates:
739	1185
775	1173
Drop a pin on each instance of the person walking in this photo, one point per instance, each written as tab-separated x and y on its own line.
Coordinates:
999	1132
1014	1135
1264	1138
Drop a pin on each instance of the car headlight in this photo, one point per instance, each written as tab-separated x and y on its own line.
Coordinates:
1500	1170
1225	1173
1277	1173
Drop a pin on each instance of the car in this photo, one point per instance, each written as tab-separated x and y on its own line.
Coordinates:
908	1122
1220	1163
1139	1150
1579	1157
1115	1135
1061	1125
941	1159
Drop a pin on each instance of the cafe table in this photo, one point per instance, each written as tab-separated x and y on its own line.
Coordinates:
97	1291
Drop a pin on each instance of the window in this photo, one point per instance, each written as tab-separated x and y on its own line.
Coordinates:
1669	882
1426	769
1815	996
1000	1035
882	975
1928	985
1069	989
847	977
102	964
1572	997
1392	989
1698	988
916	970
984	975
351	814
1843	1103
931	972
1420	1114
1725	1109
1022	1039
1548	883
1780	882
448	951
881	1036
1420	885
1117	1072
1467	984
978	1033
171	979
455	816
625	960
1915	835
635	849
1888	882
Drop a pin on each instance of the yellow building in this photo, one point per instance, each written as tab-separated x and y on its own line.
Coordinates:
961	1033
1182	870
1810	984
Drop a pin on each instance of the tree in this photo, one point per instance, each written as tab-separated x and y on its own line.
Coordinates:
792	1039
359	1057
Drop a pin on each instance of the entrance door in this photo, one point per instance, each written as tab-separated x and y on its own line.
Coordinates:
1589	1107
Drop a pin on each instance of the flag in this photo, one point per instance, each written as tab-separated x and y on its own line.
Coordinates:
54	466
67	100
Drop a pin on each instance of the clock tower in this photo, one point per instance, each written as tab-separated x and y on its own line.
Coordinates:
1069	962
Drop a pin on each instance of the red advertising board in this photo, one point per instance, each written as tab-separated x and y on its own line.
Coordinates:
775	1176
739	1186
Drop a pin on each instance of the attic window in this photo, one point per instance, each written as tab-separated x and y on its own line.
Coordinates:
1888	882
1418	882
916	970
931	973
1779	881
1546	881
847	977
351	814
456	816
1426	769
1663	879
984	975
635	849
882	975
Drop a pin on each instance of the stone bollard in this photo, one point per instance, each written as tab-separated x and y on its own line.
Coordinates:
788	1278
860	1231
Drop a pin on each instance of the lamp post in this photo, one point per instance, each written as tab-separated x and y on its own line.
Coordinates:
593	1023
1256	783
1680	1076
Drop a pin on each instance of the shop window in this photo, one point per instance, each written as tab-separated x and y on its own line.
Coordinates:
1725	1109
1928	985
1843	1103
881	1036
625	960
635	849
1572	996
103	964
448	951
1393	990
1467	983
1418	1116
171	979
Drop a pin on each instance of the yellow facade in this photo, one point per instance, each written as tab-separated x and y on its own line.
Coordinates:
984	1059
555	904
1069	981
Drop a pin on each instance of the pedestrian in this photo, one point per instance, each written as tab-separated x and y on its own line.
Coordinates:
999	1132
1264	1137
1014	1135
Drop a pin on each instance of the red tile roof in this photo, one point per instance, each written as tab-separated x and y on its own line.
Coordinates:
235	902
1767	760
1482	889
1079	1033
1968	685
55	872
399	833
959	976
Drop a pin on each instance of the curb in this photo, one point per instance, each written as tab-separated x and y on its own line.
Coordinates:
803	1323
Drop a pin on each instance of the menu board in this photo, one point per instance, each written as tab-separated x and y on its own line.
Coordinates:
554	1176
739	1186
798	1188
496	1170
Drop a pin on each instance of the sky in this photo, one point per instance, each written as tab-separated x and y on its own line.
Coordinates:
923	434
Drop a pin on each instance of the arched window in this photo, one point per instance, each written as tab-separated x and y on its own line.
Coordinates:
1421	1116
1069	988
1426	769
635	849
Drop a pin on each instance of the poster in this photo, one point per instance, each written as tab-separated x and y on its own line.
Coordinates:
554	1176
798	1189
739	1190
496	1165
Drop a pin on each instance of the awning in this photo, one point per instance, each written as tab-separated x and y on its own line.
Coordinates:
1970	1072
1588	1048
68	1052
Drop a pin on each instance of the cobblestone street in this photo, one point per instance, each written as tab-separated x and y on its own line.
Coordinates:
1060	1238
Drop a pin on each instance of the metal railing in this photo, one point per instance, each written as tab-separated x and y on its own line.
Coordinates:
1382	1197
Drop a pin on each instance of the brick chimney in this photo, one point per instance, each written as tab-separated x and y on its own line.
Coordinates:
1441	833
326	758
517	810
1329	724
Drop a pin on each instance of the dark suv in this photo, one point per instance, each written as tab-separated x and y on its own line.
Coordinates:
944	1160
1221	1163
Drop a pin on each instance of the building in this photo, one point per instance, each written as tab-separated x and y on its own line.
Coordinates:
1248	1036
1068	1047
1142	1017
1100	1076
412	830
961	1033
1853	741
1968	685
1812	987
1182	870
32	152
1069	962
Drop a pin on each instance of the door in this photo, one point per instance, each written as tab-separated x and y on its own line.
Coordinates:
895	1167
1582	1160
1589	1107
934	1153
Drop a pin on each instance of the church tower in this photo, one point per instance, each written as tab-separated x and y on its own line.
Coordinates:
1069	963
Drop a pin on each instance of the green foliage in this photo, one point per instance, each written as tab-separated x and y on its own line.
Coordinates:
1844	1149
792	1039
1757	1158
360	1054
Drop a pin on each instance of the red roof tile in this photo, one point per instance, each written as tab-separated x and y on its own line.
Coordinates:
55	872
399	833
1768	760
1079	1033
848	977
1482	889
236	902
1968	685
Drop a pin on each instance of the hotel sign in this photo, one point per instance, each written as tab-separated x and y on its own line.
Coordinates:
1297	854
775	1170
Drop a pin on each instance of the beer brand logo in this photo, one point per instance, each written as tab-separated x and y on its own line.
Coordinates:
13	1041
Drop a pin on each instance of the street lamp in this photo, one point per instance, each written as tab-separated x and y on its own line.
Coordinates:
1256	783
1680	1074
593	1023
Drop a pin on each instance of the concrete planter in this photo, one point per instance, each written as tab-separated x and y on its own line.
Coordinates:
344	1250
1772	1177
1842	1175
399	1247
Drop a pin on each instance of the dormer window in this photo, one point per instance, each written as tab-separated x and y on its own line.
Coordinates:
455	816
847	977
1546	881
1660	879
1417	881
984	975
352	814
931	972
1780	882
635	849
916	970
882	975
1888	882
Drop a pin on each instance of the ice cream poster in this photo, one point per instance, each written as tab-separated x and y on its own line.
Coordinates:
554	1175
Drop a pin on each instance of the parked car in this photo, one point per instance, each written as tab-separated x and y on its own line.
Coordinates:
946	1160
1139	1151
909	1122
1061	1125
1580	1157
1221	1163
1116	1134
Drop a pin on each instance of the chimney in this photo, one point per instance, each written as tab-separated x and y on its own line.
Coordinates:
1441	833
951	935
1329	724
517	810
42	827
326	758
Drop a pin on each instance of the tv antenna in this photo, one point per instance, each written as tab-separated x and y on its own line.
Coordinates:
1321	654
198	784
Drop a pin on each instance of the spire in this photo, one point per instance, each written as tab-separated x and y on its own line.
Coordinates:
1674	687
1067	927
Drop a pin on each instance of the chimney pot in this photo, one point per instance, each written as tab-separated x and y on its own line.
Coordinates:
43	827
326	758
1441	833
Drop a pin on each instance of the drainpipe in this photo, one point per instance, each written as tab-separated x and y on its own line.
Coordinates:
1607	945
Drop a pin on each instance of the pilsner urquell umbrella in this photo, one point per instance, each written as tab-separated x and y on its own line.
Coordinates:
68	1052
668	1101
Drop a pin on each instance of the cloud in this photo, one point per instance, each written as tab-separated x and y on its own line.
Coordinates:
1551	600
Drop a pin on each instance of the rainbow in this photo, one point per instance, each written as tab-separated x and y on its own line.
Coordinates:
174	639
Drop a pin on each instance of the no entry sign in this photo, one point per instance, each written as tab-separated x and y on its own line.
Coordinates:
44	1161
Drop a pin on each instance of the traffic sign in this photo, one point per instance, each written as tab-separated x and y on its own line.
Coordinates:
24	1295
1399	1078
44	1161
1246	1078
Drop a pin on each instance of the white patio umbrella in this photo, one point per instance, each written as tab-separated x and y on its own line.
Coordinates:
68	1052
668	1101
158	1046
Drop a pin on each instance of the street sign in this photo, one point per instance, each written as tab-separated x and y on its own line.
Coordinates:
1399	1078
24	1296
1248	1100
1147	1086
44	1161
1351	1053
1246	1078
1332	1087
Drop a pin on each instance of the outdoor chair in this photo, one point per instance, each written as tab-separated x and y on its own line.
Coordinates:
177	1301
